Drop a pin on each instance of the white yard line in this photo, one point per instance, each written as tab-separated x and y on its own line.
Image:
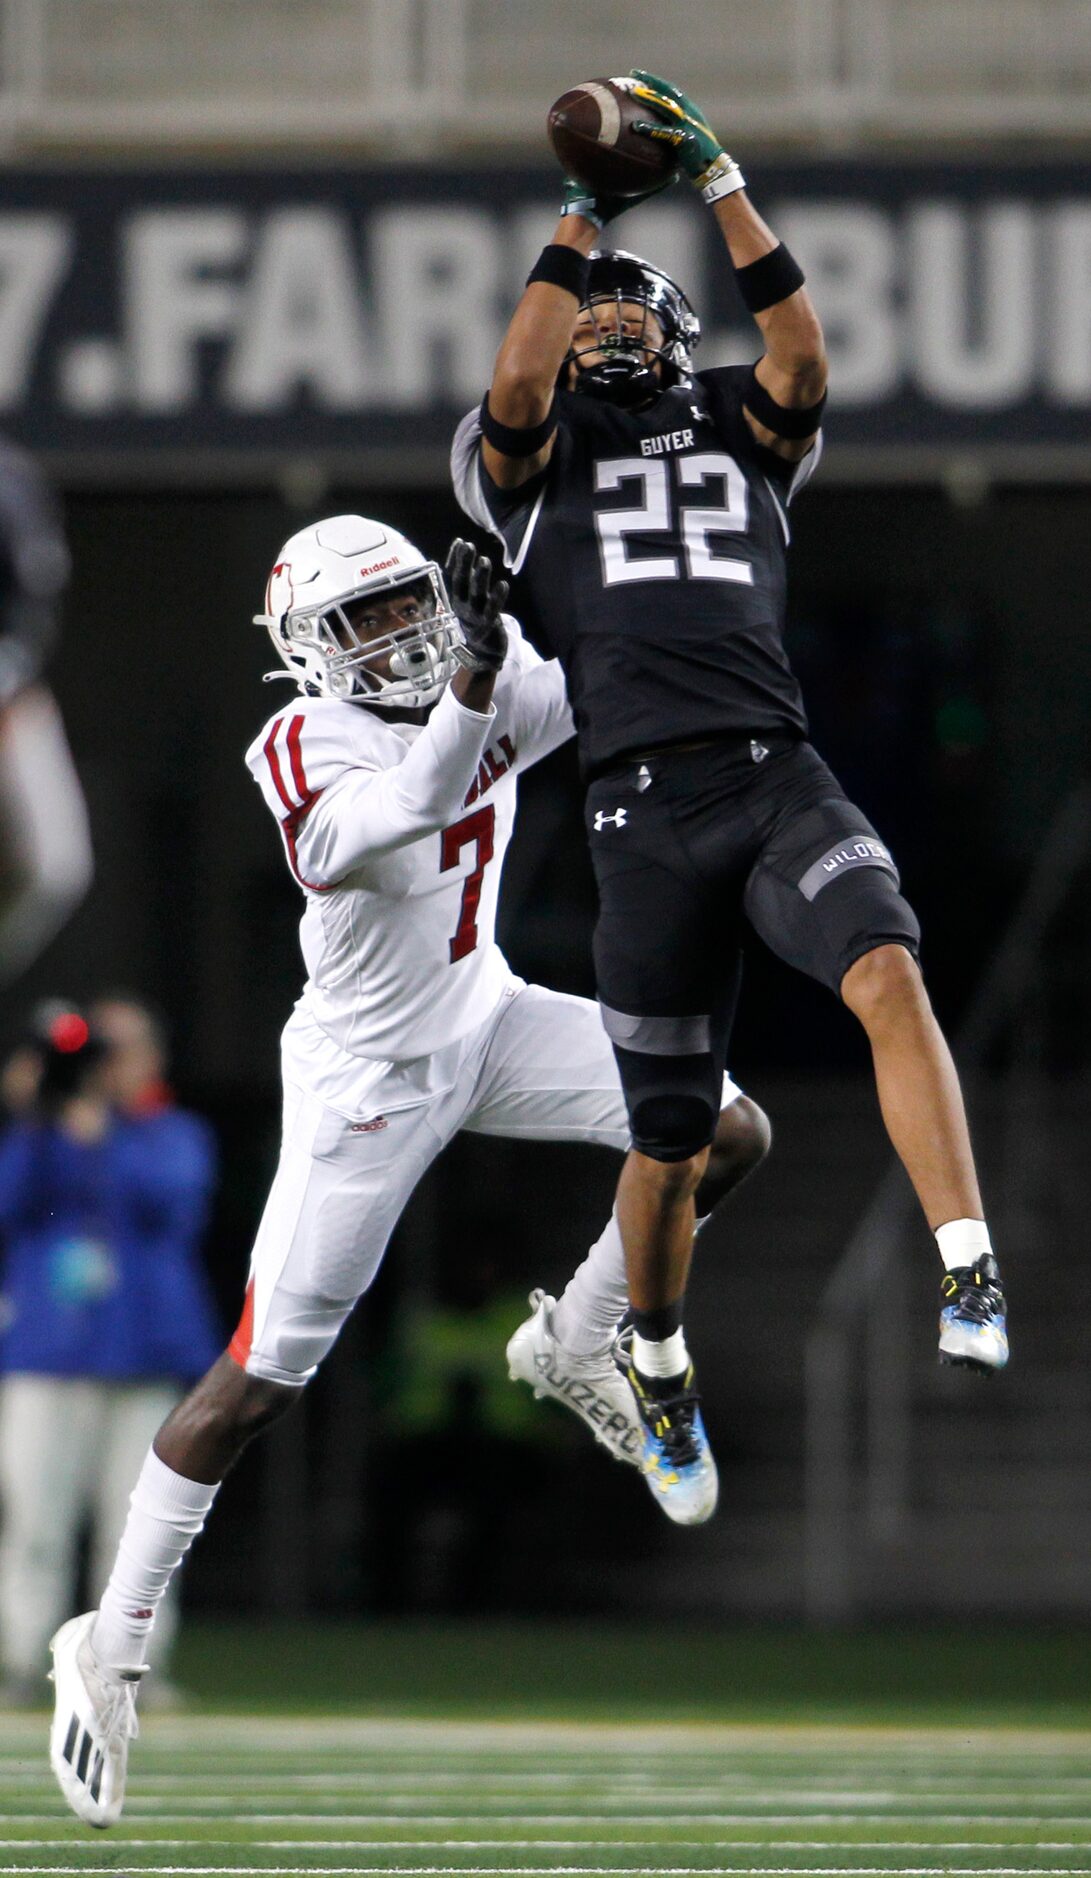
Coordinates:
202	1808
593	1788
569	1845
317	1734
576	1871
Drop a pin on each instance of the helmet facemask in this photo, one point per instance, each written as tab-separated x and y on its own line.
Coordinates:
401	669
626	374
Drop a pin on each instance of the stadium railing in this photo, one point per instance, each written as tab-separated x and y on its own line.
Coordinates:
414	76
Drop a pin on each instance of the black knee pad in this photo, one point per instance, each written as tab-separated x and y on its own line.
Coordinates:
672	1128
673	1102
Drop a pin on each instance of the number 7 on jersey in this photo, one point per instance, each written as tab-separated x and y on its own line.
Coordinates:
477	828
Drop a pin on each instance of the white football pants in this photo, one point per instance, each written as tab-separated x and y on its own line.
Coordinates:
540	1068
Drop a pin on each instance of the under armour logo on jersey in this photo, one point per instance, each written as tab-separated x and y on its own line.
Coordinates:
618	818
758	751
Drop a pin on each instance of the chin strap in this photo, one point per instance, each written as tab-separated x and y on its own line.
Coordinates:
626	389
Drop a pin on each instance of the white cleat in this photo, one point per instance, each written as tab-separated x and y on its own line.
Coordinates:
591	1386
94	1720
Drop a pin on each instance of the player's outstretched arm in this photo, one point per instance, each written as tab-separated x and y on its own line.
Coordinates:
477	601
518	429
788	389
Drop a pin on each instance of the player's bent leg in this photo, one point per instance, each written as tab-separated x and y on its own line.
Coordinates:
672	1080
917	1081
824	895
333	1203
656	1215
204	1435
922	1107
742	1140
552	1074
98	1657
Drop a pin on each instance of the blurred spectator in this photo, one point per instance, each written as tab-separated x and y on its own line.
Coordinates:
45	848
104	1187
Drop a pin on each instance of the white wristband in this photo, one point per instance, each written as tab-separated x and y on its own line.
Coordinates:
721	178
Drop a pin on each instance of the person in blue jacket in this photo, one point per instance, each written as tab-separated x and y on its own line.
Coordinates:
105	1314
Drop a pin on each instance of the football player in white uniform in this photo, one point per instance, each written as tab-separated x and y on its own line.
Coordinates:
393	781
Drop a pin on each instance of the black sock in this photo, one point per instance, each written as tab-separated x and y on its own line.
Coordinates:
656	1326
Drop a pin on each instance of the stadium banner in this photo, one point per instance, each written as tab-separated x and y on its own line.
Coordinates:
270	315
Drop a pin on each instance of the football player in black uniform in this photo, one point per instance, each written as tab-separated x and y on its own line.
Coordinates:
647	506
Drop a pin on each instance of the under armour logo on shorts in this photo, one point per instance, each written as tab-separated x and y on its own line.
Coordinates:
618	818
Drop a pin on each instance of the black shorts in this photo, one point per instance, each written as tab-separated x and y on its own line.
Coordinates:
689	844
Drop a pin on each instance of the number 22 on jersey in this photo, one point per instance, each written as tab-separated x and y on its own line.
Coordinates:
656	514
478	829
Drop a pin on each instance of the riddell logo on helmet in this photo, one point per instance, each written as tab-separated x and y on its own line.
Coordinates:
378	566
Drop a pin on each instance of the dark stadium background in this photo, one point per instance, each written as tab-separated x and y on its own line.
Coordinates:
943	649
940	576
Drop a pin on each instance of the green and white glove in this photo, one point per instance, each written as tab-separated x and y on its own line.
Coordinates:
580	199
683	125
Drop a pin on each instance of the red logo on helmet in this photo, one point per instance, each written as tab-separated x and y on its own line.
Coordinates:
378	566
285	568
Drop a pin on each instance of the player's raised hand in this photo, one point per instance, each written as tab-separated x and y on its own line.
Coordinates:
477	601
579	199
683	125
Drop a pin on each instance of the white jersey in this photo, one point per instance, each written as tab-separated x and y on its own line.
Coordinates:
396	833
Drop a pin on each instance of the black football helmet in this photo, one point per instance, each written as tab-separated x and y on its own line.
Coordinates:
626	375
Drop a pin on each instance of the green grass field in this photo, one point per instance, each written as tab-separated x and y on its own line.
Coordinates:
235	1794
488	1784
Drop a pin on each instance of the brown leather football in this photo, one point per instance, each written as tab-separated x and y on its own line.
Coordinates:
590	128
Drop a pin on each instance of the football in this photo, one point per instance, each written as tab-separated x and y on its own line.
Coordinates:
590	128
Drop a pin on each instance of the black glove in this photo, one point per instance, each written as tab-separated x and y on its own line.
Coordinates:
476	601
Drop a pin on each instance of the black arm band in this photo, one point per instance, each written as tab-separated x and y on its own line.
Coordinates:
766	282
512	442
562	267
792	423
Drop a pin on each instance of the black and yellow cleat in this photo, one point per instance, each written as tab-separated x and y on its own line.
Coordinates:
972	1320
677	1461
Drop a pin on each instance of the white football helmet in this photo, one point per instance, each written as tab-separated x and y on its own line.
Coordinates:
319	576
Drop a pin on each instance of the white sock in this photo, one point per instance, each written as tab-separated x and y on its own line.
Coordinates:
669	1358
962	1242
596	1297
166	1512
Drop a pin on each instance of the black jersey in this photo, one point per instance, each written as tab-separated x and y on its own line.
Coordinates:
654	544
